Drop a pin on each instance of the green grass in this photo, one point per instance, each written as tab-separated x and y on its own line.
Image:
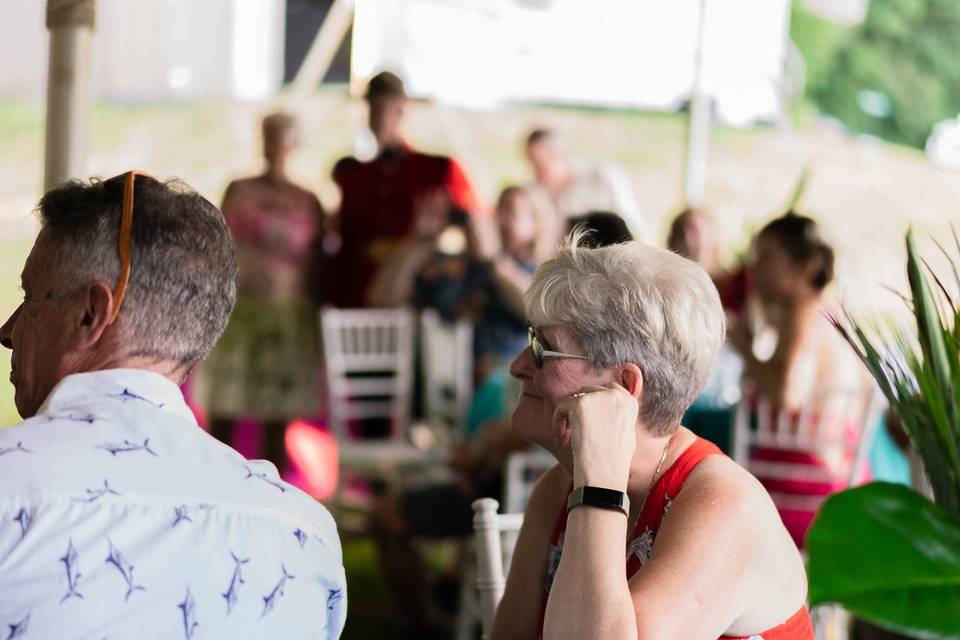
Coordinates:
369	605
367	600
19	120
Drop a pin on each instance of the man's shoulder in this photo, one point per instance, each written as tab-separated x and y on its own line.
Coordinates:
164	463
297	506
18	446
431	158
243	184
32	436
16	430
347	167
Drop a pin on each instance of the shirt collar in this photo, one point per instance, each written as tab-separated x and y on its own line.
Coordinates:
134	384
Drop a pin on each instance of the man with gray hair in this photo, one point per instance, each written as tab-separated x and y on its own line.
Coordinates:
119	516
576	187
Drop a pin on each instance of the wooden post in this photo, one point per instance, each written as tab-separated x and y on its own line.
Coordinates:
71	24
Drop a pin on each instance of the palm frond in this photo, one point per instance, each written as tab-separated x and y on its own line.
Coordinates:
950	261
918	370
943	291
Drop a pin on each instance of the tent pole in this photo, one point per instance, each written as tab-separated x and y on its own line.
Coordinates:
71	24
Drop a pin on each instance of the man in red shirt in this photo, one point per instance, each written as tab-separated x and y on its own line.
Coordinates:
380	197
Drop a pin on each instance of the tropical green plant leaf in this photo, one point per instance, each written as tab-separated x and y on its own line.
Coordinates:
890	556
950	261
929	326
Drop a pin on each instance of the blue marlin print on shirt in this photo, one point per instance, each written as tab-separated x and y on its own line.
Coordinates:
18	629
301	537
181	513
95	494
128	395
232	593
126	570
24	517
189	610
87	418
270	600
262	476
335	596
69	561
126	446
5	450
322	542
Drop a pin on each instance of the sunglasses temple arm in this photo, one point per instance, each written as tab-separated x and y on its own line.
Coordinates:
124	248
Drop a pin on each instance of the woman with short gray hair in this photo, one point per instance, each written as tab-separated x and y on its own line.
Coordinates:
623	339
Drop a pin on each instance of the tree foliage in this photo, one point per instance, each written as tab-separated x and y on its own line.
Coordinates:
905	50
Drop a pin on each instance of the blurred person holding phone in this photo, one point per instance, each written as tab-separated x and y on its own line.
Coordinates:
381	197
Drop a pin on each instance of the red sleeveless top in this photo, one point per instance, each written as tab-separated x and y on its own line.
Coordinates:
798	627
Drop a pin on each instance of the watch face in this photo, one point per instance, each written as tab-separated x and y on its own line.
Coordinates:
599	497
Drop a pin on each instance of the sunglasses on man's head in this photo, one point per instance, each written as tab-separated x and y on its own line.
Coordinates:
125	241
539	353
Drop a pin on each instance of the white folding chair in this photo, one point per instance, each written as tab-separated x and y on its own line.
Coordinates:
369	364
493	555
446	351
820	426
369	358
523	470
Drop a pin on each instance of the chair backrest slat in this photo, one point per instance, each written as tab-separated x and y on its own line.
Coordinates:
447	359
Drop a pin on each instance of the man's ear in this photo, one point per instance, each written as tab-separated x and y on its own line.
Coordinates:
94	316
631	379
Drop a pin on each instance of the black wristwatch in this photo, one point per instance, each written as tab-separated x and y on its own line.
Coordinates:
599	497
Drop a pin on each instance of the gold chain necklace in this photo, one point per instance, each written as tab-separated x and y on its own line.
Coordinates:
653	481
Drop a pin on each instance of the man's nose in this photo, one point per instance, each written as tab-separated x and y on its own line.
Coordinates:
6	331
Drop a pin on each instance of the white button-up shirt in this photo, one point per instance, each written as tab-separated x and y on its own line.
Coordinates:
121	518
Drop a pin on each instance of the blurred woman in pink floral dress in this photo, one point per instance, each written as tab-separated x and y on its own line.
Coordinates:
265	365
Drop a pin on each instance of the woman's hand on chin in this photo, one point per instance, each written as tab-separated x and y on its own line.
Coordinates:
599	424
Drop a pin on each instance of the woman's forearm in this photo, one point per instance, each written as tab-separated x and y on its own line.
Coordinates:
512	282
590	597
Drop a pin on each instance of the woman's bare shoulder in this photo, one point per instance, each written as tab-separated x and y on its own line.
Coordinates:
720	484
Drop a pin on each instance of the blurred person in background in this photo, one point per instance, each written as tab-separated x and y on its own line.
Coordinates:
265	366
693	235
485	289
122	517
576	187
791	266
381	197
